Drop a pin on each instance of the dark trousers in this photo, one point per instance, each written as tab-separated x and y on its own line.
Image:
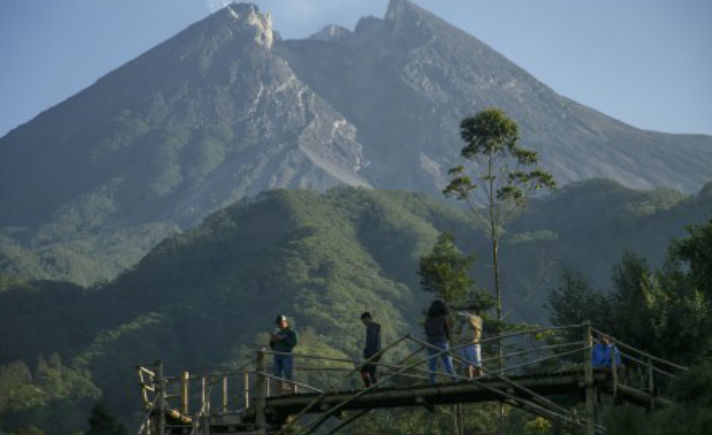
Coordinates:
284	366
368	373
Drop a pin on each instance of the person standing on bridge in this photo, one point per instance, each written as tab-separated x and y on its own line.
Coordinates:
470	335
603	353
373	346
437	330
282	341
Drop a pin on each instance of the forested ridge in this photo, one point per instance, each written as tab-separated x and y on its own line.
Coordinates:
203	298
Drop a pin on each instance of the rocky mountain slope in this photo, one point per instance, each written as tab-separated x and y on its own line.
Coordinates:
405	81
205	118
226	109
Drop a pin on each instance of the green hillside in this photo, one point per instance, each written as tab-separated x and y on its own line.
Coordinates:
201	299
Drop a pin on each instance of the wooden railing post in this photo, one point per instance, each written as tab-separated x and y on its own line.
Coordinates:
268	385
651	383
294	388
614	369
203	394
589	384
246	389
261	385
205	408
161	381
224	394
184	380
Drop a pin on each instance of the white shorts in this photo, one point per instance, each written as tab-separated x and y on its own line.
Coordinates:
471	355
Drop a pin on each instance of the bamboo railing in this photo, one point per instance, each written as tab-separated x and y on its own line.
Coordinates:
186	400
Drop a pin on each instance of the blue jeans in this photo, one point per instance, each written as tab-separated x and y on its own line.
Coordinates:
433	361
284	366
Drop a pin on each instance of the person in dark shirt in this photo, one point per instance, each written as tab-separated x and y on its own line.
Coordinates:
372	347
282	341
437	330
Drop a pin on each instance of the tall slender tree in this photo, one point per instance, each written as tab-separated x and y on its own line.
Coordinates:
504	175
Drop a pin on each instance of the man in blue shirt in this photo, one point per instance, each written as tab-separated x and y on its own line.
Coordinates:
601	354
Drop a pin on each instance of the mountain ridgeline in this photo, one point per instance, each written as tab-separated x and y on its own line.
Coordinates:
226	109
201	299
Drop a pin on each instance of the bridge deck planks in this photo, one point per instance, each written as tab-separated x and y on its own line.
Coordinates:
565	383
568	383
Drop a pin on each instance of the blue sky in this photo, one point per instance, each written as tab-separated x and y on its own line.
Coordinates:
645	62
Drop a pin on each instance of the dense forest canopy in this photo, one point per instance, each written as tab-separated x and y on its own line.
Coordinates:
204	298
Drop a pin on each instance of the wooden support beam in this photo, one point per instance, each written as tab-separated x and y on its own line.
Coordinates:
427	405
184	380
262	387
642	398
316	400
147	371
149	387
651	383
614	370
205	408
314	424
162	406
246	388
589	385
203	394
224	394
343	424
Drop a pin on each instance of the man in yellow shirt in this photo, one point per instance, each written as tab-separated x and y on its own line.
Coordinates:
470	335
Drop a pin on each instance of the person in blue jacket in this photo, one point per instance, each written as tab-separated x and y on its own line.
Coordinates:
603	352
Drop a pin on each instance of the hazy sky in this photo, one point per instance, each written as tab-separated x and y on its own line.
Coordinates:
645	62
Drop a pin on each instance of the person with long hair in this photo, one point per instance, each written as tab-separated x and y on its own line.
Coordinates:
437	330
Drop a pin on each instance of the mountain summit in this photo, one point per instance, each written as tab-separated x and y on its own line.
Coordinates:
226	109
407	80
248	16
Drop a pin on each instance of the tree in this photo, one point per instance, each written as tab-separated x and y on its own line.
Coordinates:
638	303
102	422
445	270
575	302
696	253
667	311
505	180
504	174
691	411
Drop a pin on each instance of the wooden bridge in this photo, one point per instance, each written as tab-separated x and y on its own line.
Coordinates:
547	364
